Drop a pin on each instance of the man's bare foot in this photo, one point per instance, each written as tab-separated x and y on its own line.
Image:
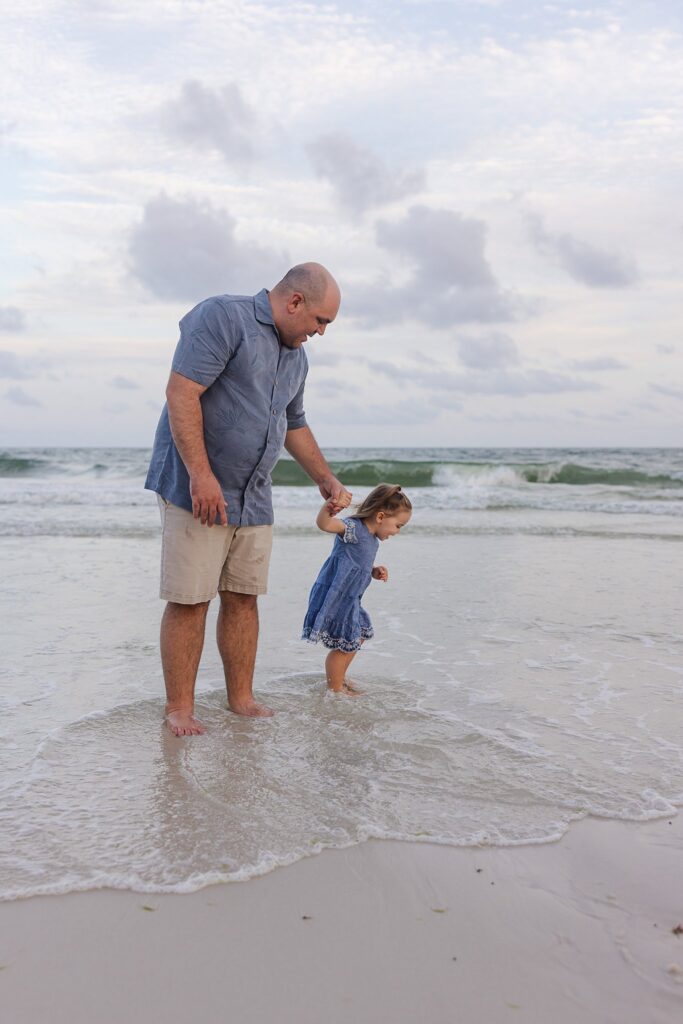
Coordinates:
183	723
251	709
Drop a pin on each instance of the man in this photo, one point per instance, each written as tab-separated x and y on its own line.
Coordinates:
234	397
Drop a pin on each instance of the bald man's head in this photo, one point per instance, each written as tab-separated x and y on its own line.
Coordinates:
304	302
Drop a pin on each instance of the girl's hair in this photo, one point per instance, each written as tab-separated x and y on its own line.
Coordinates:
387	498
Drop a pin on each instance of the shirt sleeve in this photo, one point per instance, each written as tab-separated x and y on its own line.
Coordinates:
207	341
349	535
296	417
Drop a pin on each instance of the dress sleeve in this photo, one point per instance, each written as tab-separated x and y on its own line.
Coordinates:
207	341
349	536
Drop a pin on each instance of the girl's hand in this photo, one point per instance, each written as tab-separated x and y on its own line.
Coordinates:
335	494
380	572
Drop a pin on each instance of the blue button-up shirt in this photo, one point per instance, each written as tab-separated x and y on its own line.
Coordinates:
255	388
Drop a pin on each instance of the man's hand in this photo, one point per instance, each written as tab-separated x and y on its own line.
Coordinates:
207	499
335	494
380	572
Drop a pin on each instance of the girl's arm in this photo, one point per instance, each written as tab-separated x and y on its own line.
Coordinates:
326	521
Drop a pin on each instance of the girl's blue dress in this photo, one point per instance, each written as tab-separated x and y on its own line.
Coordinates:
335	616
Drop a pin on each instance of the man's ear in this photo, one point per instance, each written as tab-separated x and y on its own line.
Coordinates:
296	299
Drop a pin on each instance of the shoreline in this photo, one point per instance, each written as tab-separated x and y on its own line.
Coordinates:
581	929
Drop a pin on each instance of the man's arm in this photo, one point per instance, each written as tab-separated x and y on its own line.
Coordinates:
187	427
303	447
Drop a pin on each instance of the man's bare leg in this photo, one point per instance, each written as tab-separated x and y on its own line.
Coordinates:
336	664
182	640
237	636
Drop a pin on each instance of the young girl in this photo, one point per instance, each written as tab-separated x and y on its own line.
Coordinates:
335	615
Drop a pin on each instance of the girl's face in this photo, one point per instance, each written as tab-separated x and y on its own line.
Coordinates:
389	525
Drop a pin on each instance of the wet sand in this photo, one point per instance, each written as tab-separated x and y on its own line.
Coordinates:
581	930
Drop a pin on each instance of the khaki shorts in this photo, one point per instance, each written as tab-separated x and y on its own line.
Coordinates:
197	561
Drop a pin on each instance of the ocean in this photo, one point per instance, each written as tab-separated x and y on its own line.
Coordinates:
526	669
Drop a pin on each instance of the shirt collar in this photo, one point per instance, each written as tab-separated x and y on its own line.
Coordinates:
262	310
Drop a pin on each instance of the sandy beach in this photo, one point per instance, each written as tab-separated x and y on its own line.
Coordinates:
580	930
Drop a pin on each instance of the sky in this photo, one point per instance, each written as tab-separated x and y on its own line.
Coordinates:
495	184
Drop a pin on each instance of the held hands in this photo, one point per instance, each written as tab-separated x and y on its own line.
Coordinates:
380	572
335	494
207	499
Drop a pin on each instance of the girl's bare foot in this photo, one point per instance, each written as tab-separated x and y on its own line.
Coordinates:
351	687
183	723
347	688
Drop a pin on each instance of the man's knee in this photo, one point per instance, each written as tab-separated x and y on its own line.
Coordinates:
232	601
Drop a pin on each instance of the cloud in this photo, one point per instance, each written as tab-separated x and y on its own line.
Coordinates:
597	268
452	281
360	178
329	388
666	350
12	319
17	395
206	119
124	383
490	351
669	392
372	415
599	363
319	357
184	249
490	382
10	366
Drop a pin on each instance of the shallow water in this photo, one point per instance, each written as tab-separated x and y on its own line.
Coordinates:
526	671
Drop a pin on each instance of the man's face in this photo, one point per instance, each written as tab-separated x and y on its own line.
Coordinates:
303	318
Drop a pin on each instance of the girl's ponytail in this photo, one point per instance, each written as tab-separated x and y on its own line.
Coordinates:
387	498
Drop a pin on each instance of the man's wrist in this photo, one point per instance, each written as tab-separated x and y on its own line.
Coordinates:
196	472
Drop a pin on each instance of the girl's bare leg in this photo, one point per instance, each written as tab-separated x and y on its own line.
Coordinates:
350	685
336	664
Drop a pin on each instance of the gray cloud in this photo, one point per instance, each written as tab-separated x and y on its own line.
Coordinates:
490	351
669	392
599	363
11	366
648	406
12	319
369	414
319	357
452	281
219	120
611	417
17	395
184	249
445	401
124	383
359	177
328	388
666	350
491	382
597	268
